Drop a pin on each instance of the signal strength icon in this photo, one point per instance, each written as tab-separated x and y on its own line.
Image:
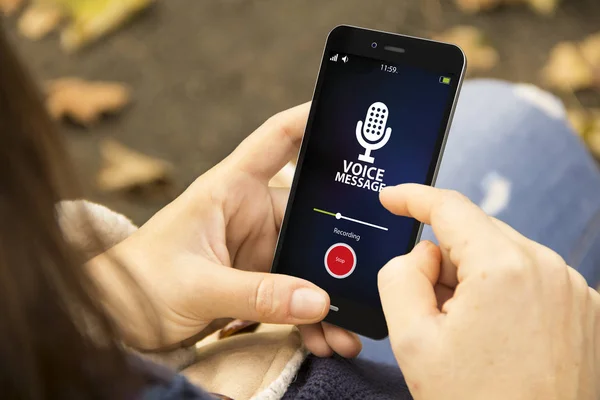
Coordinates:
334	58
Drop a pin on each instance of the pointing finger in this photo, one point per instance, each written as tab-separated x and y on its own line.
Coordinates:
461	227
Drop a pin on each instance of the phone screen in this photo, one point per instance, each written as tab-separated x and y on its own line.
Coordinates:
375	124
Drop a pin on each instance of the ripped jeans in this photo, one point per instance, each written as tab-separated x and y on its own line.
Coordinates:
512	152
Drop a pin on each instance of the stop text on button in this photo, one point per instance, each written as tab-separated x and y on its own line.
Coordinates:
340	260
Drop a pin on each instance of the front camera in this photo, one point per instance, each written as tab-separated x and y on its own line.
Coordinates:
374	45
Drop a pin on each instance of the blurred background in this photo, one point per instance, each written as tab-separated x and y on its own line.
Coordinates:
191	79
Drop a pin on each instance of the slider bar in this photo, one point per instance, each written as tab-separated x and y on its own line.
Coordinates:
340	216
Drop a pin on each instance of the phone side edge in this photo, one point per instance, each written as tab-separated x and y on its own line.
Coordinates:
448	127
302	150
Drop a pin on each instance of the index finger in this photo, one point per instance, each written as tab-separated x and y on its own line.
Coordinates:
273	144
460	226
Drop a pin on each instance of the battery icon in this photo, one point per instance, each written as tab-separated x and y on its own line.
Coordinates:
445	80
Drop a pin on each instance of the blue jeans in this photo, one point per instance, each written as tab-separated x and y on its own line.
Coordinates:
511	151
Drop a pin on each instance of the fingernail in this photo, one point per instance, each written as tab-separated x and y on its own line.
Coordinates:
307	303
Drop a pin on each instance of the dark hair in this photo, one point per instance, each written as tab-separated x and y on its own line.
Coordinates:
48	303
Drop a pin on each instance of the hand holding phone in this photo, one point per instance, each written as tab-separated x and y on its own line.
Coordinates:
380	116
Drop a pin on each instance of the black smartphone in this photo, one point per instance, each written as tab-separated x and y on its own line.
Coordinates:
380	116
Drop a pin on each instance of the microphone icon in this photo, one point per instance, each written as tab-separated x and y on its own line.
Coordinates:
373	134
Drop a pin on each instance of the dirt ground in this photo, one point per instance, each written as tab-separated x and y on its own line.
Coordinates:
206	73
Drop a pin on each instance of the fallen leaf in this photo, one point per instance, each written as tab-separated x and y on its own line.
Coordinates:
594	129
567	69
238	326
92	19
39	19
475	6
578	119
593	142
8	7
544	7
586	122
590	49
84	102
471	40
125	169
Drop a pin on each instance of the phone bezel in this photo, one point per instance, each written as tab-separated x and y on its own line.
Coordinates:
443	57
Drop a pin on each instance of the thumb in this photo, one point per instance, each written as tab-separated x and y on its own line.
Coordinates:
406	287
264	297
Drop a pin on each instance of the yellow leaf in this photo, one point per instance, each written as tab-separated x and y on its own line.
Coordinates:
39	19
567	69
475	6
480	56
92	19
545	7
578	119
586	123
84	102
8	7
595	122
127	169
590	49
593	142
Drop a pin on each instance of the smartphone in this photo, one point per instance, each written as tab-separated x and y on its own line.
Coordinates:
380	116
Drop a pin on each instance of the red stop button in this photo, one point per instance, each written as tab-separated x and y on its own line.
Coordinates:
340	260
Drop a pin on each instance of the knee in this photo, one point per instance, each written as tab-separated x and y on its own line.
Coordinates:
497	96
492	111
498	124
544	101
